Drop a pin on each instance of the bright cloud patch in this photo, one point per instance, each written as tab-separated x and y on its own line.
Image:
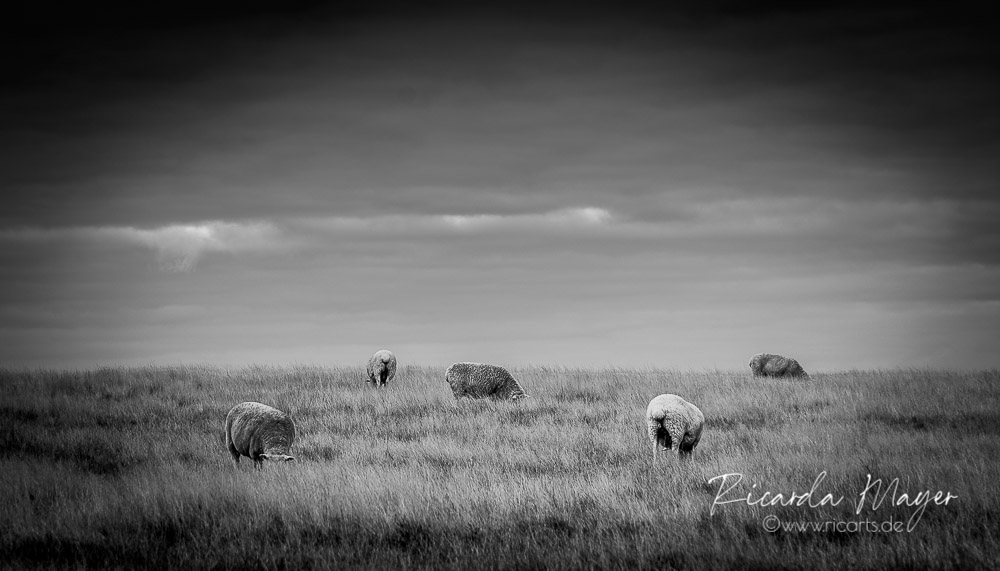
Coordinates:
565	219
559	218
180	246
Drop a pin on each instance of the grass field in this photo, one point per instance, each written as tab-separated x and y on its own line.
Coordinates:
126	467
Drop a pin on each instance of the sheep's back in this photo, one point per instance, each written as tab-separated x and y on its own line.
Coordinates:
675	407
478	380
382	359
254	428
770	365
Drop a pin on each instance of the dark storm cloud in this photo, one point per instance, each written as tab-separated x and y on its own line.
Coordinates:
322	107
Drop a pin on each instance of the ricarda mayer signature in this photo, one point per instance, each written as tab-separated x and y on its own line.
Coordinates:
875	494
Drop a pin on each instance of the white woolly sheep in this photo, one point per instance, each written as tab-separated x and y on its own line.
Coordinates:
768	365
674	423
476	380
381	367
259	432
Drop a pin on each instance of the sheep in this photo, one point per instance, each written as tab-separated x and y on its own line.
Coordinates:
260	433
674	423
381	367
476	380
768	365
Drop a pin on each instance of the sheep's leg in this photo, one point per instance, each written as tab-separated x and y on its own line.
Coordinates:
676	440
653	428
235	453
686	449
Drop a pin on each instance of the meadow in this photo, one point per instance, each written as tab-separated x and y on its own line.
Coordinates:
126	468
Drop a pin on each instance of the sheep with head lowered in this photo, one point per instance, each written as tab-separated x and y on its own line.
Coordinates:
768	365
674	423
476	380
259	432
381	367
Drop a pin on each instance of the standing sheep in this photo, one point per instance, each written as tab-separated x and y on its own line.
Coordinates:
768	365
674	423
260	433
381	367
476	380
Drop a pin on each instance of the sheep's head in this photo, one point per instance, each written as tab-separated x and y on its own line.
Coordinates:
277	457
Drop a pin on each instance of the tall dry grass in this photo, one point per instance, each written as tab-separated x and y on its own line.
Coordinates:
126	467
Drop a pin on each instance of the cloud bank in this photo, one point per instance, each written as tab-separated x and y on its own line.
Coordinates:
928	231
568	219
178	247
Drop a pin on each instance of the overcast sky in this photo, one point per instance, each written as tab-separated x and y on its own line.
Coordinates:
588	187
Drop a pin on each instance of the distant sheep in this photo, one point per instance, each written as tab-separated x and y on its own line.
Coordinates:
674	423
260	433
475	380
768	365
381	367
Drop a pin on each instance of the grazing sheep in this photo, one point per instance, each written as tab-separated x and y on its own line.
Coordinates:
475	380
381	367
768	365
674	423
260	433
